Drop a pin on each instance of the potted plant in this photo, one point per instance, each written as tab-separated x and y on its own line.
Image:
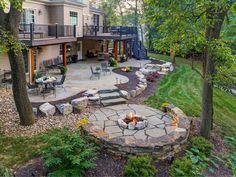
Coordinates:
38	74
113	63
63	69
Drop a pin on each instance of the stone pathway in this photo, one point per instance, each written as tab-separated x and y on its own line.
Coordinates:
158	133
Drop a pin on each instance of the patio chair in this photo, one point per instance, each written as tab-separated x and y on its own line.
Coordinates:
60	84
33	87
94	73
105	68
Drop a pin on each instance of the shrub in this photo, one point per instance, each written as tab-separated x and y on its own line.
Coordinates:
5	172
182	167
139	166
150	78
113	63
63	69
156	75
38	74
202	145
164	106
67	154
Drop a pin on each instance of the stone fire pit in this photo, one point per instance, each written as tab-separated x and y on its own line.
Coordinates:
160	134
133	122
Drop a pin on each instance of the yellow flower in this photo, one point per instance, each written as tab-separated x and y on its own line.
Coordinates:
82	122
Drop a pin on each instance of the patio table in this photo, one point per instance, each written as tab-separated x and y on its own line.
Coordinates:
47	84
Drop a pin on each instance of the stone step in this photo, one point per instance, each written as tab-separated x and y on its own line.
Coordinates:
108	91
115	101
112	95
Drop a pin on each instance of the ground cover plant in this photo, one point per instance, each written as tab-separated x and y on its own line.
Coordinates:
139	166
67	153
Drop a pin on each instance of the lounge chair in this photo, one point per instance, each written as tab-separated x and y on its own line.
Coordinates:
94	73
105	68
33	87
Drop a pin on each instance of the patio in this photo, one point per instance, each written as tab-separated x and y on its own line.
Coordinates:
78	79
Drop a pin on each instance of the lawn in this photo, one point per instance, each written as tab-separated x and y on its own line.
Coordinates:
183	88
15	151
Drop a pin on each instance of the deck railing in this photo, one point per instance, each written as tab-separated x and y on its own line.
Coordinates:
38	31
109	30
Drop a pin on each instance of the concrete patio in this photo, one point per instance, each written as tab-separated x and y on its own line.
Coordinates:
78	79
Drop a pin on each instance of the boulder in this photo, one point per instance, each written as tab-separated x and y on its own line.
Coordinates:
80	103
122	123
47	109
35	111
125	94
138	91
131	126
133	93
140	125
65	109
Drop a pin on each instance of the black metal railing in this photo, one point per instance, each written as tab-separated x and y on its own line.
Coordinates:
38	31
109	30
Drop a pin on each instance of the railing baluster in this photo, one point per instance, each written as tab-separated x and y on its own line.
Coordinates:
56	30
31	31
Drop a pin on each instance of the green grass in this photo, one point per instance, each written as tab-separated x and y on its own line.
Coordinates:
15	151
183	88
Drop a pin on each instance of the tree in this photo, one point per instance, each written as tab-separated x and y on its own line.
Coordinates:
195	25
9	25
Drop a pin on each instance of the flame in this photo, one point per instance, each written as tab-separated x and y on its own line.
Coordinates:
175	121
132	118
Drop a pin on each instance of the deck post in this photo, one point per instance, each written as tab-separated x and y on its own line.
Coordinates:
124	47
130	48
32	50
64	54
116	50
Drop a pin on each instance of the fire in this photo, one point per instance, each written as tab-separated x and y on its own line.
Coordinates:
175	121
131	117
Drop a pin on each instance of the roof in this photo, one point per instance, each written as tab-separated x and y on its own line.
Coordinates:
96	10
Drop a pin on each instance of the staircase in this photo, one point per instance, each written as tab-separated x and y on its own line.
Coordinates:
139	51
111	97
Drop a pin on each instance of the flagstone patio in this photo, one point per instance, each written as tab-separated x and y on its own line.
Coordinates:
78	79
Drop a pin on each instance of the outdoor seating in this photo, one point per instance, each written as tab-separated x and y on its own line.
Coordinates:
105	68
33	87
60	84
94	73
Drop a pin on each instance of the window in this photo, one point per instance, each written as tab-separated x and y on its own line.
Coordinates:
73	18
96	20
28	16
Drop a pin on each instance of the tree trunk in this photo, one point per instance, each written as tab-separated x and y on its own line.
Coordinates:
212	33
136	13
10	23
172	56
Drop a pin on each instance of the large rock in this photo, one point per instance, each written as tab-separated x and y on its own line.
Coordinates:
47	109
122	123
80	103
125	94
94	98
65	109
133	93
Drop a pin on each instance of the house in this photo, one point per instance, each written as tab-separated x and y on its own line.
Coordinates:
66	28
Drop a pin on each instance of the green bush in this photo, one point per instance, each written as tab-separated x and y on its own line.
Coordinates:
113	63
38	74
63	69
182	167
67	154
5	172
202	145
139	166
